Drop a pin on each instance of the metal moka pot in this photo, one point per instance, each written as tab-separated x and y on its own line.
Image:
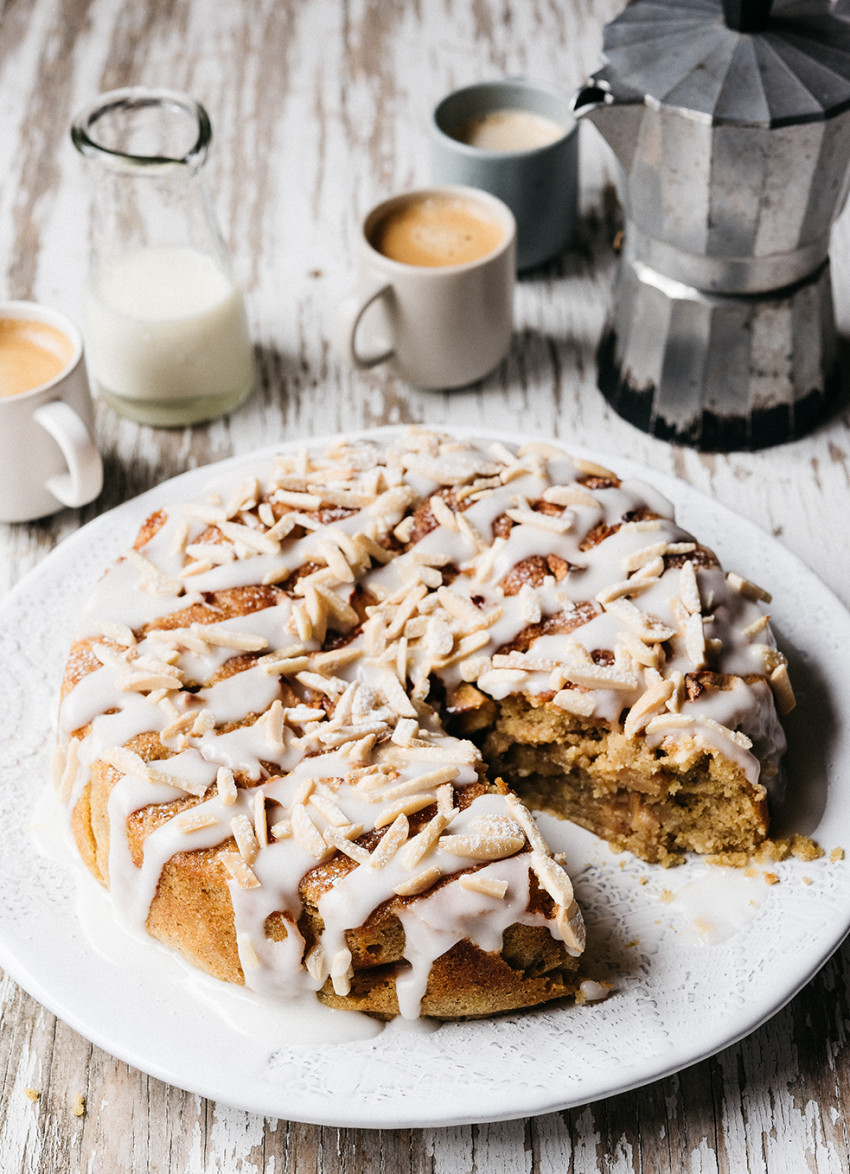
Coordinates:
731	122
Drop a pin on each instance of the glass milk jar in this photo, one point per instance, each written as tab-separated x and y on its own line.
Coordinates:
165	327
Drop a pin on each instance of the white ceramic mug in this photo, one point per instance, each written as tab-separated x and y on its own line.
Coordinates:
437	326
48	458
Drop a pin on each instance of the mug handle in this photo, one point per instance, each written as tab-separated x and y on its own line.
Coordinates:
84	479
348	319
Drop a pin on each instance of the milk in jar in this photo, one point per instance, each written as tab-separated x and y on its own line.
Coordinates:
166	328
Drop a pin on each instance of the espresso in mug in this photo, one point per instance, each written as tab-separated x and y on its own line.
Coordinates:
437	230
31	354
509	130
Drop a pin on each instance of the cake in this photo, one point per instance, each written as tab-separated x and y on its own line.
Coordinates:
304	718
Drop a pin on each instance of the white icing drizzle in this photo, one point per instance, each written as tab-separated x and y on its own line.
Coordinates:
346	758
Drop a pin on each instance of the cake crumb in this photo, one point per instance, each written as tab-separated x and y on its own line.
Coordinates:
729	859
804	848
79	1107
643	880
772	851
631	944
807	880
771	878
835	855
750	871
666	896
32	1094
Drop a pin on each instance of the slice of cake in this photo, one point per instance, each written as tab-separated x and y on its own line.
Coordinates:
300	712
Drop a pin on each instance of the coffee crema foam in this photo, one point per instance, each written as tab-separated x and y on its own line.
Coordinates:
31	354
509	130
435	231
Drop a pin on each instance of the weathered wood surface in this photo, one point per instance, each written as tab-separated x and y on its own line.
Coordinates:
320	107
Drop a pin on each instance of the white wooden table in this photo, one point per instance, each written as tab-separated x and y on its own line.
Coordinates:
319	108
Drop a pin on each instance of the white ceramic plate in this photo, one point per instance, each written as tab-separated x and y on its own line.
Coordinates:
698	956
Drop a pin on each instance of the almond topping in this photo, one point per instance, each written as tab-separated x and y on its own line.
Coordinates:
489	886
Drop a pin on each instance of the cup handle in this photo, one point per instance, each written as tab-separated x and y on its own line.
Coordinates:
84	479
348	319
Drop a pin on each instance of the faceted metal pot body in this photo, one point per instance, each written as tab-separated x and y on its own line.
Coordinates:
734	150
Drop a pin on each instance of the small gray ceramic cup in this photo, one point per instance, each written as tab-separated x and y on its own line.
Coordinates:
538	183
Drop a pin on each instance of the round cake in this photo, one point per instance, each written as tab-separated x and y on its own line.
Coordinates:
304	718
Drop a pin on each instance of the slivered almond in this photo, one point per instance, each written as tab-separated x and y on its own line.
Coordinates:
571	928
229	638
195	820
649	627
226	786
422	843
780	683
407	806
695	641
471	846
689	588
554	523
490	886
626	587
239	871
683	723
396	697
432	778
190	786
525	819
747	588
442	514
446	799
125	761
180	724
341	971
570	495
338	839
304	501
303	791
214	553
337	607
257	541
284	663
246	839
419	883
461	753
654	569
261	823
316	965
327	808
756	626
306	834
248	956
390	842
639	558
600	676
406	729
553	878
650	702
591	469
120	633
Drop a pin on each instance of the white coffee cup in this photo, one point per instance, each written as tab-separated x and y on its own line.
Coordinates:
436	324
48	458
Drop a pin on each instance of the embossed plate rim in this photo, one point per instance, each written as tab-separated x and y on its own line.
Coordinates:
490	1070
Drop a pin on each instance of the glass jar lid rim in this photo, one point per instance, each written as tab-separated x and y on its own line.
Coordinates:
139	97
